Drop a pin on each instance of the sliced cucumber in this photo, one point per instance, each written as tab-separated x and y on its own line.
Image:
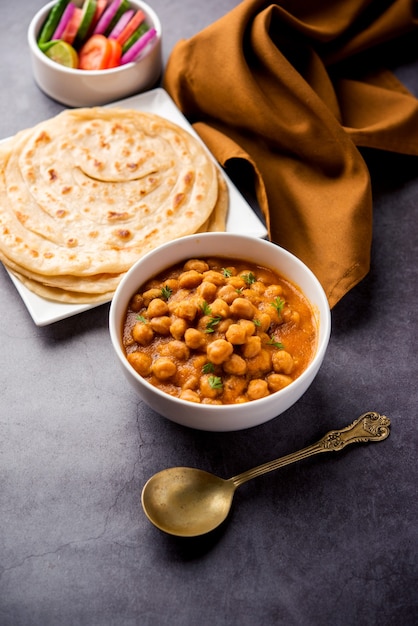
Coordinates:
45	46
89	10
141	30
52	21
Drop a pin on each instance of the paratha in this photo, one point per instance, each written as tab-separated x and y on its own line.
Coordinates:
85	194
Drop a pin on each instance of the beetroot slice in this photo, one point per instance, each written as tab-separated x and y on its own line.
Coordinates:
107	17
123	21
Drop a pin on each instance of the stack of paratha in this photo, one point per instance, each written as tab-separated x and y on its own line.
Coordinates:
85	194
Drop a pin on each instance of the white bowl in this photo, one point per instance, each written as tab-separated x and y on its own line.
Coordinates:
216	417
79	88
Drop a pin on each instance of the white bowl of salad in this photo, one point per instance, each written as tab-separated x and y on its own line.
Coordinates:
91	52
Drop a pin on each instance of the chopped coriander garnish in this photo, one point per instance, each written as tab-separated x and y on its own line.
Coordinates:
278	304
208	368
276	344
249	278
239	290
256	322
205	308
226	272
215	382
142	319
210	326
166	292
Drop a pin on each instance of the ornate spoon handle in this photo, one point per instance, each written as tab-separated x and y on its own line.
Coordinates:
370	426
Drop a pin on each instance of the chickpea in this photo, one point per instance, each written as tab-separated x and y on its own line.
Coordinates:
236	282
178	327
277	382
206	389
186	309
219	350
252	296
252	347
214	277
249	327
194	339
295	318
282	362
141	362
172	284
196	264
179	296
198	361
236	334
264	321
258	287
220	308
288	315
157	307
275	316
207	291
127	339
233	387
223	325
204	323
190	279
164	368
177	349
260	364
285	313
273	291
235	365
142	333
150	294
190	395
185	378
189	380
137	302
227	293
257	388
242	308
161	325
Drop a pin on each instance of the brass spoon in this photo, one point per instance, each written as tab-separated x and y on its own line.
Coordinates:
189	502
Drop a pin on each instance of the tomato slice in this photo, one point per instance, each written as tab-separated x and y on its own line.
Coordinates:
72	27
95	54
115	53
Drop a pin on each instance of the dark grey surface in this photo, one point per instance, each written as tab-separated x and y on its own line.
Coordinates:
330	541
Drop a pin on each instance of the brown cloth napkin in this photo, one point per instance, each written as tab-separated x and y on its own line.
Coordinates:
285	88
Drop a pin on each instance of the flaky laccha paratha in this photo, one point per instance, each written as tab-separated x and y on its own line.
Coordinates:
85	194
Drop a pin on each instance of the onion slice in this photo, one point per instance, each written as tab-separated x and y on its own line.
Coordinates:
107	17
120	25
62	24
133	52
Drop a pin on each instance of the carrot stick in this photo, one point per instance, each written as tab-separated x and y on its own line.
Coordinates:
131	27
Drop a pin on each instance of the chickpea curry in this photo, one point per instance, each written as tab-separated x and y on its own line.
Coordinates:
219	331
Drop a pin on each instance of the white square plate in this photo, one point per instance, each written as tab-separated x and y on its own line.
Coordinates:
241	217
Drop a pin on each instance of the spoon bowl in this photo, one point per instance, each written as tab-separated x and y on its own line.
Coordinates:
189	502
